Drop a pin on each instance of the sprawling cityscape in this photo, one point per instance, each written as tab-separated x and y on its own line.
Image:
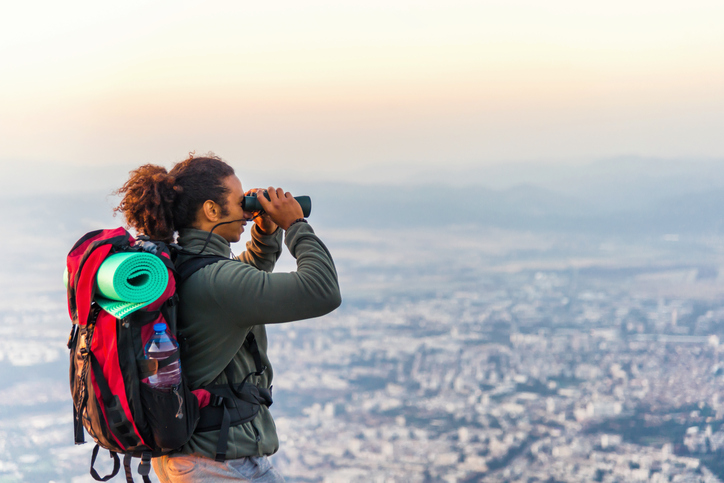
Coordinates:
574	375
483	355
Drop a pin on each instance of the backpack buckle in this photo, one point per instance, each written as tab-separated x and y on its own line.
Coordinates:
144	467
73	336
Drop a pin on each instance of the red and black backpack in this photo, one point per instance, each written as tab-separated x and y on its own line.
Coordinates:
107	366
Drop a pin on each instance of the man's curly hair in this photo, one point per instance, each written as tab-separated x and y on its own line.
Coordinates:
158	203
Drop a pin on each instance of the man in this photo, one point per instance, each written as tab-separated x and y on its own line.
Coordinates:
223	302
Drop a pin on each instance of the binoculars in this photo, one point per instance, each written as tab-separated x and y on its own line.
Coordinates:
252	204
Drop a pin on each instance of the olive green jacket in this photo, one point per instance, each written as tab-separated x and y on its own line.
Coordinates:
222	302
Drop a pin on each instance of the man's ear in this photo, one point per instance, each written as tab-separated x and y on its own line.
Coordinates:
211	210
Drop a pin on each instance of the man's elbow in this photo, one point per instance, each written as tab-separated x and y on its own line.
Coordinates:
335	300
326	297
331	300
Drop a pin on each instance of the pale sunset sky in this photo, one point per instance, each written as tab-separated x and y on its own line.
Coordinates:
340	87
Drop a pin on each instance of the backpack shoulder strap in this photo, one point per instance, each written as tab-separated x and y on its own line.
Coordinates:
188	267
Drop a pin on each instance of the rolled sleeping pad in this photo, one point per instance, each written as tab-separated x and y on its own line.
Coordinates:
130	281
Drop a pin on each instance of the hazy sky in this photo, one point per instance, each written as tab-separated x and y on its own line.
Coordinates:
338	87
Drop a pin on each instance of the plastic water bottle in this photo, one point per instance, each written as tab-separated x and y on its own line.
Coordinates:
160	347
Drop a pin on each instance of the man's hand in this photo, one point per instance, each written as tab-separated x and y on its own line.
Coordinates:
281	207
261	218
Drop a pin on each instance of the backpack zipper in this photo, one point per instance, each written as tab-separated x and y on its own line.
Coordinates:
180	412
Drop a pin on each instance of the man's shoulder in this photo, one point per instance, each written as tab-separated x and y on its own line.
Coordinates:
213	270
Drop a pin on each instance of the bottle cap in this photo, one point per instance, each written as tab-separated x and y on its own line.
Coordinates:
160	327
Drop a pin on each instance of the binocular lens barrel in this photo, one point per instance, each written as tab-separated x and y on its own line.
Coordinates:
252	204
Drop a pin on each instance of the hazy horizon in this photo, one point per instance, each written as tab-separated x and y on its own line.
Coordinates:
56	177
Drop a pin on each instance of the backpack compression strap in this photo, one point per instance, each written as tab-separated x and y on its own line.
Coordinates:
144	467
116	465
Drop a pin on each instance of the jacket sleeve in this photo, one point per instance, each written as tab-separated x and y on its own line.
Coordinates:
246	296
262	251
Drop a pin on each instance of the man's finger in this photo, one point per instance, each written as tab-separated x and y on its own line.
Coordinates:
272	193
263	201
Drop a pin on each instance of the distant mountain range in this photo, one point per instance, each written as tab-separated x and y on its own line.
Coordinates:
521	207
625	196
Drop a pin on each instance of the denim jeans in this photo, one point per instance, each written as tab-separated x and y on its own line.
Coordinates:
182	468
